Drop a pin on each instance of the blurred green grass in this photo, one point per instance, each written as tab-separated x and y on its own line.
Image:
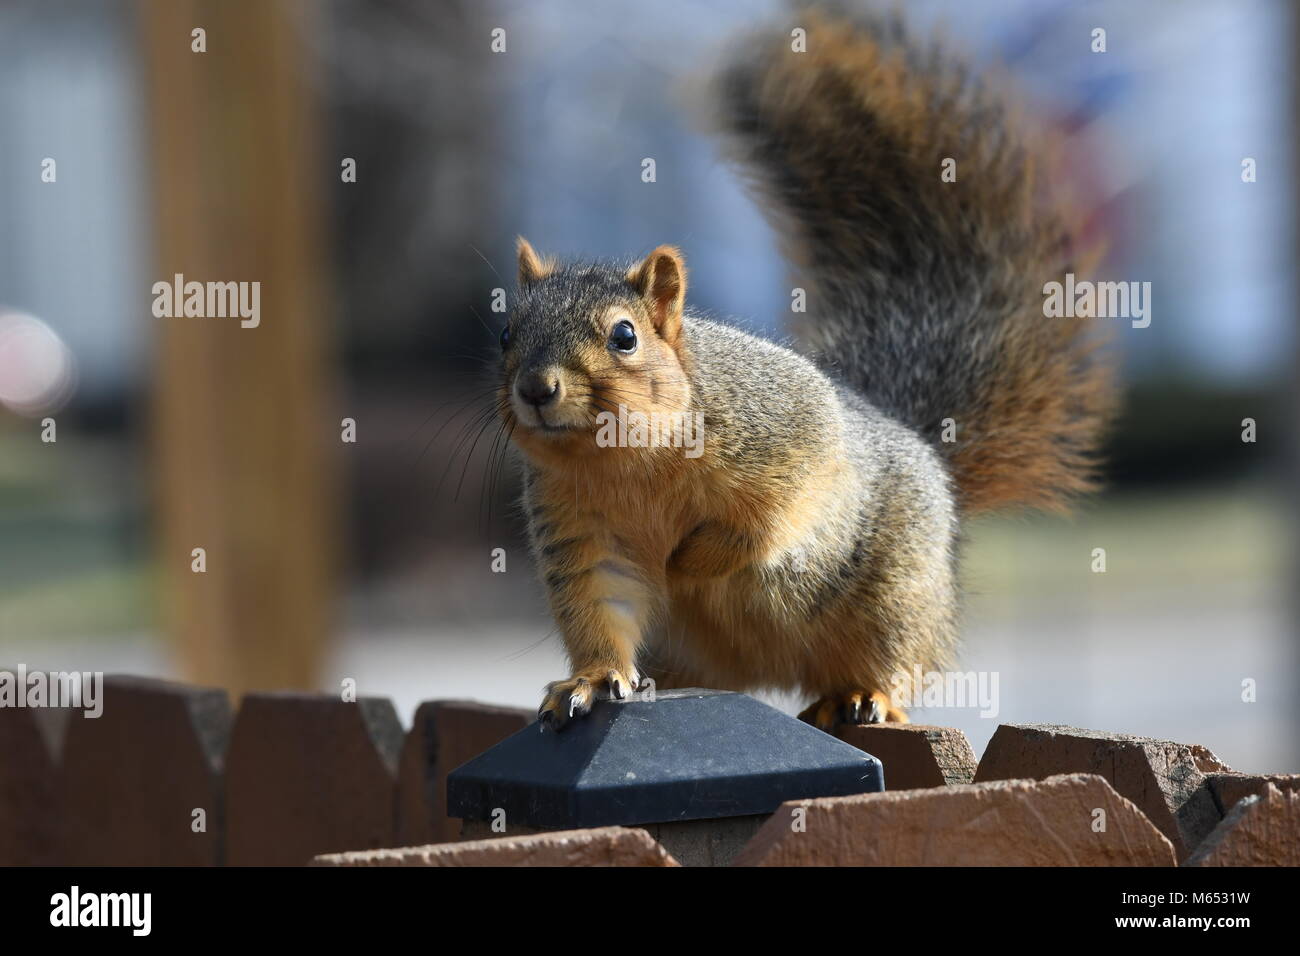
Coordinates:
1194	544
75	546
74	556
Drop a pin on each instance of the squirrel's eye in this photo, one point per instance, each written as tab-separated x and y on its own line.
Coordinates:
505	338
623	337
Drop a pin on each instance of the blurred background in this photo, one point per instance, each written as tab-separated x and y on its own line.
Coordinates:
371	559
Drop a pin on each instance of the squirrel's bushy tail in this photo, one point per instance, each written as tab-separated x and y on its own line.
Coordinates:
925	295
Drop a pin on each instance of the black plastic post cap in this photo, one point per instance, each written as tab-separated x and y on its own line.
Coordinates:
686	755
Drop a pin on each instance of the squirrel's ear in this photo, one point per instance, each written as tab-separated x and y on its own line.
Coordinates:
532	267
661	280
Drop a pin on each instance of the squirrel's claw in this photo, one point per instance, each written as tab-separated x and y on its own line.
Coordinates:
567	699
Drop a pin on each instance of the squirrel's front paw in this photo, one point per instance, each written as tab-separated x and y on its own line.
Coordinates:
566	699
853	707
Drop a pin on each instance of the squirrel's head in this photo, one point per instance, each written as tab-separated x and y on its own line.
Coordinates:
588	339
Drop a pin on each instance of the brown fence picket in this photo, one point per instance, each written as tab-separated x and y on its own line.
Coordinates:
444	735
31	815
309	774
141	783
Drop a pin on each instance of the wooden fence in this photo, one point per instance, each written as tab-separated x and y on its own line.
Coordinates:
172	775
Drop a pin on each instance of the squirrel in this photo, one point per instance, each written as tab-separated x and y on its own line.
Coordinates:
811	544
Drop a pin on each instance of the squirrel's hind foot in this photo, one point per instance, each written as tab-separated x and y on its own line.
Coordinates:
852	707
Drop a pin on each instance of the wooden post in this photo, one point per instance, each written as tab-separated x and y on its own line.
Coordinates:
242	426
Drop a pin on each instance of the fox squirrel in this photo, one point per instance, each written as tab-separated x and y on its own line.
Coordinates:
811	544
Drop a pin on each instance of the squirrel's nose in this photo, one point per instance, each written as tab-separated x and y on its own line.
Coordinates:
538	388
